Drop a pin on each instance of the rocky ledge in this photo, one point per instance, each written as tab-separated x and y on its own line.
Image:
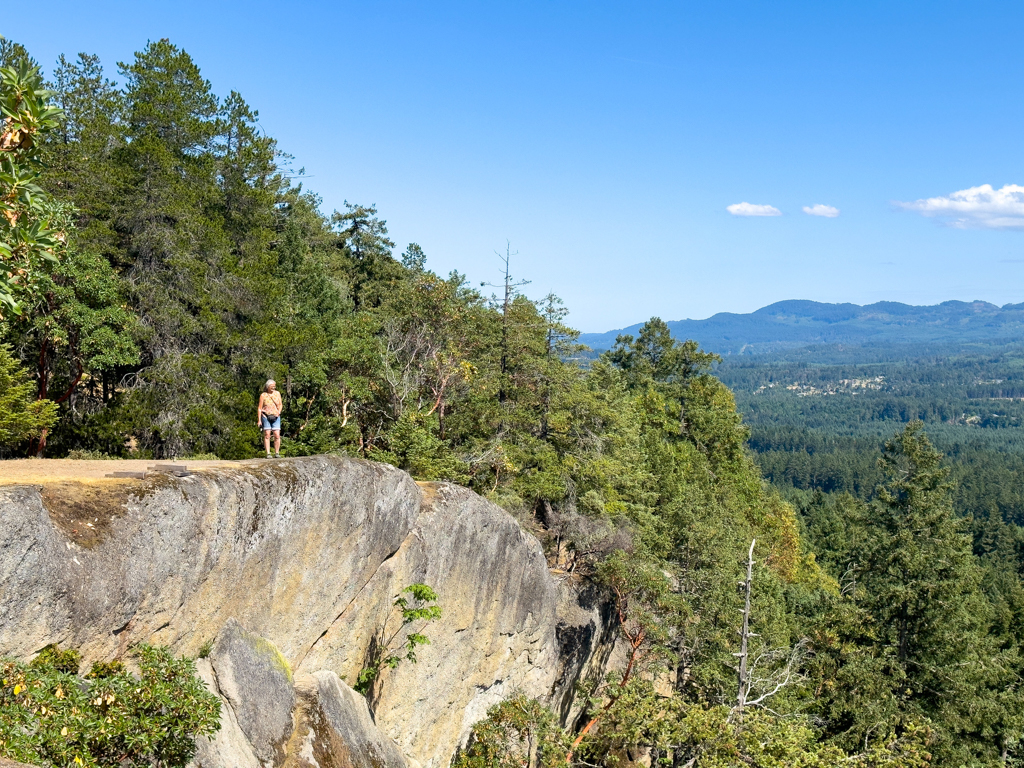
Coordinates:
288	568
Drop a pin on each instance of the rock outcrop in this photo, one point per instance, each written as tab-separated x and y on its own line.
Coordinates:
4	763
270	718
334	729
291	567
254	680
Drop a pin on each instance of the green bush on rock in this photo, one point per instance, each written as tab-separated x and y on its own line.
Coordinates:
516	732
50	716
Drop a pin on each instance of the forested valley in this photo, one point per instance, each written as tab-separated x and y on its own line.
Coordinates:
160	262
819	415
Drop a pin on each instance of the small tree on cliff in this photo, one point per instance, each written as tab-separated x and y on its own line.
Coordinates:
648	611
386	650
517	732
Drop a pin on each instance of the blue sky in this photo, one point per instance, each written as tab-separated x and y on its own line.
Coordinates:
606	141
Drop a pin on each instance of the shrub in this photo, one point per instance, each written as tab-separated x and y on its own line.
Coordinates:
516	732
49	716
85	455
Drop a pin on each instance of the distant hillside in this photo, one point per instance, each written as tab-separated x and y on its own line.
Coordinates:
791	324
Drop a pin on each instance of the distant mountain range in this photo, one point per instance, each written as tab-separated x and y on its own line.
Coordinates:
797	323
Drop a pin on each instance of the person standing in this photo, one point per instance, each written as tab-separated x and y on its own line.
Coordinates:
268	416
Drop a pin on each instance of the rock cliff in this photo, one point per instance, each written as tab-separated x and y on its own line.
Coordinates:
290	567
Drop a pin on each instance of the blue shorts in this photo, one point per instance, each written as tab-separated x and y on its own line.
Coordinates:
271	422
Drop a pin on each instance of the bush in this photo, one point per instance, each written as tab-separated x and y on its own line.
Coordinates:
516	732
49	716
84	455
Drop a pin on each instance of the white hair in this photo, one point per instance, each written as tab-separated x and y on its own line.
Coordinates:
266	386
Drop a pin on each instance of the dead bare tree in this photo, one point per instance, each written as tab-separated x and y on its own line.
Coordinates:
511	290
773	670
744	678
768	672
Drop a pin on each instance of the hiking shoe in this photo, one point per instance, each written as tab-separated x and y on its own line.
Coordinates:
268	455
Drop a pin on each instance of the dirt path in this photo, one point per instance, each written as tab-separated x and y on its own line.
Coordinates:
45	471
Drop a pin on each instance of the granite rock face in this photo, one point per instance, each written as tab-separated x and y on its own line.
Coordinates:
5	763
334	729
292	567
254	679
229	746
588	640
268	718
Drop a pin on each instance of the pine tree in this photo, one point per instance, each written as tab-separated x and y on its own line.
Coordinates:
22	415
913	645
82	153
919	571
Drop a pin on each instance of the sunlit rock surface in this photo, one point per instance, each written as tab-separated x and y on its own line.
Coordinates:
290	567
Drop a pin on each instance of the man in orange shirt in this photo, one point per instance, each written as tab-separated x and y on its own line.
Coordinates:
268	416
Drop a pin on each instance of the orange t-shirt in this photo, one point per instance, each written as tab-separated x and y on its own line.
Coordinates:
270	403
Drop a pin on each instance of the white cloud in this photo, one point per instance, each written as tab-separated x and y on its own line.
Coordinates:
821	210
750	209
981	207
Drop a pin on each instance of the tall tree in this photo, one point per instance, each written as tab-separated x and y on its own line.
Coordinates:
655	356
916	636
363	256
82	153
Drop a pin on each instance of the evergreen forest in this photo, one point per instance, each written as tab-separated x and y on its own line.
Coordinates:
160	262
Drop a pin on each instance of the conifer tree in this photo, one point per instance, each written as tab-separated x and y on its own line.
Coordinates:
22	415
914	645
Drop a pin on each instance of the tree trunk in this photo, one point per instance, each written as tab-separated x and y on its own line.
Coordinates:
743	682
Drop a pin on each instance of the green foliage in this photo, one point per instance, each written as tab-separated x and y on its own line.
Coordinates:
520	731
22	416
918	566
711	737
654	355
51	717
29	239
388	649
952	596
648	606
516	732
78	328
911	638
413	445
707	504
66	661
